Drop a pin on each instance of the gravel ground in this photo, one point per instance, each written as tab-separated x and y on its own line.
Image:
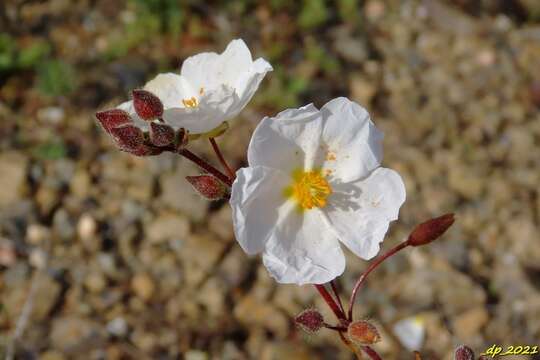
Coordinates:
120	259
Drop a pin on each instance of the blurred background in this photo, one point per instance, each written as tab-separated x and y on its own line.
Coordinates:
116	258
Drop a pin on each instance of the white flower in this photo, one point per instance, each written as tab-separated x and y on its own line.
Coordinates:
314	178
211	88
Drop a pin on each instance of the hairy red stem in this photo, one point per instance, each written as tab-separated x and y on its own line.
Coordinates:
330	301
205	166
215	146
365	274
371	353
336	294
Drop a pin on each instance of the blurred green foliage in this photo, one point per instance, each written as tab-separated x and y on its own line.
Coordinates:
52	150
56	78
313	14
14	57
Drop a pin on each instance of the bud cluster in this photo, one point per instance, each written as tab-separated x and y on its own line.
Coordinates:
130	138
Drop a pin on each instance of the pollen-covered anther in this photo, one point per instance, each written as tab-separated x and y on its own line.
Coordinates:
310	189
191	102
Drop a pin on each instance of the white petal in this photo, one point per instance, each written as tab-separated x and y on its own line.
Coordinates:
213	108
208	70
128	107
171	89
287	141
351	144
361	211
249	81
258	205
303	249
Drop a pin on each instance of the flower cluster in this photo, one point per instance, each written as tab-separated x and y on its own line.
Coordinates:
314	179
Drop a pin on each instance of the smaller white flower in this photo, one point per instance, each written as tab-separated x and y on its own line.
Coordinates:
313	179
210	89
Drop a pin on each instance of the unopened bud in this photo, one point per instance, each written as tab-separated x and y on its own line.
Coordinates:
430	230
111	119
208	186
128	137
147	105
363	332
310	320
161	134
464	352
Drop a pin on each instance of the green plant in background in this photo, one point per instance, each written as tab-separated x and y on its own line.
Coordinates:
14	57
152	17
52	150
313	13
56	78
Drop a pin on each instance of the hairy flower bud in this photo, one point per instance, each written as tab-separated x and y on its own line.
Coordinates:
208	186
128	137
464	352
430	230
362	332
310	320
147	105
161	134
111	119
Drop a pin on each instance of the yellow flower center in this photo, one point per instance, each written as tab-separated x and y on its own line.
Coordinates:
190	103
309	188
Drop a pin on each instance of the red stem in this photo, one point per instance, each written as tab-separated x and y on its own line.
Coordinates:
330	301
365	274
205	166
371	353
231	173
336	294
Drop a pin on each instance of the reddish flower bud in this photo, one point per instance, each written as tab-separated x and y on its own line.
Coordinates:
161	134
208	186
144	150
362	332
110	119
464	352
310	320
430	230
147	105
128	137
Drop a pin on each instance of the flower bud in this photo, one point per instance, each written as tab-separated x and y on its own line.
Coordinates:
362	332
128	137
208	186
161	134
147	105
464	352
430	230
310	320
111	119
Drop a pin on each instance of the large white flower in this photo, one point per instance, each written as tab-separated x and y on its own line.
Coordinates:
210	89
314	178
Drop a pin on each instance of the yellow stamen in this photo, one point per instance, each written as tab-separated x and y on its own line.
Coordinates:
190	103
309	188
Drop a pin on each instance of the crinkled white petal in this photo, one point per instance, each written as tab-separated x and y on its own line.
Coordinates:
213	108
287	141
360	211
351	145
303	249
209	70
171	89
248	82
258	205
130	109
